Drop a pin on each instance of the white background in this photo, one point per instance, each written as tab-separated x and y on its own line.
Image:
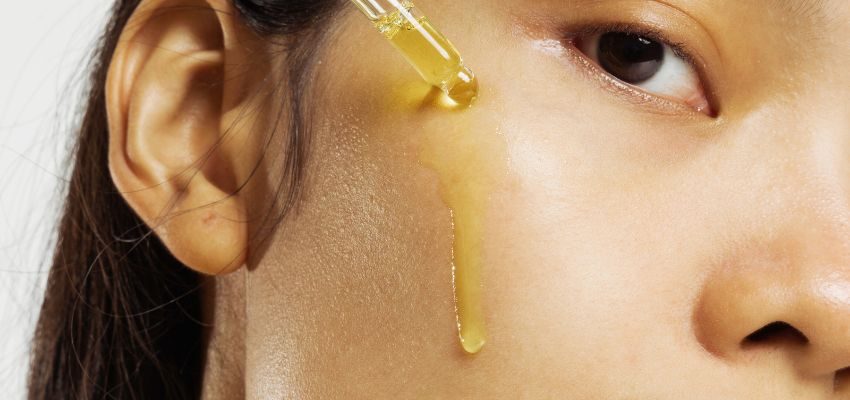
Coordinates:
44	46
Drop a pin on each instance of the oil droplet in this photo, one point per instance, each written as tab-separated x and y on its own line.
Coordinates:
463	88
469	160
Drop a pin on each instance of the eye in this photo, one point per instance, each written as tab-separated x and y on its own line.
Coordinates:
642	62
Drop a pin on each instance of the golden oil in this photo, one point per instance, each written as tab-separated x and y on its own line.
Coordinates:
466	160
424	47
469	163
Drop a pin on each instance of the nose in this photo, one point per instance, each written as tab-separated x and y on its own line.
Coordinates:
783	293
765	298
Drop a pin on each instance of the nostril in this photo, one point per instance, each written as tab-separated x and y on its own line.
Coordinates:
775	333
842	381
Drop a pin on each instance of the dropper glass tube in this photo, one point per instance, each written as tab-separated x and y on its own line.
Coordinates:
430	53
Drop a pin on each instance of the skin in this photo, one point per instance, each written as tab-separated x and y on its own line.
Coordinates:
631	244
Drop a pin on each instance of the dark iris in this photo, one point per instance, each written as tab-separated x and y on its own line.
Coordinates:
630	58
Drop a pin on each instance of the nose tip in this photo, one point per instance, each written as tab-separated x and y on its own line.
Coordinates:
764	300
825	317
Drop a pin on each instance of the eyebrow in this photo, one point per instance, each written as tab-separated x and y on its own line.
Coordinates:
813	10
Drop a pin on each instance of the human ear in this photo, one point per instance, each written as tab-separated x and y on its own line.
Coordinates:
168	92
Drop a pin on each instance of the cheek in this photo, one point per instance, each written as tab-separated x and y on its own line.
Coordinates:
576	210
591	246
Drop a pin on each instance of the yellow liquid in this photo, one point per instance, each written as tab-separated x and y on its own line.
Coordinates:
430	53
469	163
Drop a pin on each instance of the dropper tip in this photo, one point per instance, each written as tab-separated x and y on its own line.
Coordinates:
463	89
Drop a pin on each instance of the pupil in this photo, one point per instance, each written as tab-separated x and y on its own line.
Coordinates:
630	58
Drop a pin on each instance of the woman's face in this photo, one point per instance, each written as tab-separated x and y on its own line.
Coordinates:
685	237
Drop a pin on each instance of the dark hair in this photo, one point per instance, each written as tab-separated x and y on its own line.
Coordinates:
120	314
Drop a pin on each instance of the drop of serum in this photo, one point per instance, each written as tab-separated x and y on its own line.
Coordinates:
468	162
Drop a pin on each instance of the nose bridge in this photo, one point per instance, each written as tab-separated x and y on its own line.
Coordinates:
811	152
815	237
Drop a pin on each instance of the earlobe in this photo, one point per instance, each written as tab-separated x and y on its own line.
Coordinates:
168	155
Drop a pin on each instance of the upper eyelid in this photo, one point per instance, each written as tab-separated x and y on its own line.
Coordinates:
681	49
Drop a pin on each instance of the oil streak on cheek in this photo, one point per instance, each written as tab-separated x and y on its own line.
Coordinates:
469	159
